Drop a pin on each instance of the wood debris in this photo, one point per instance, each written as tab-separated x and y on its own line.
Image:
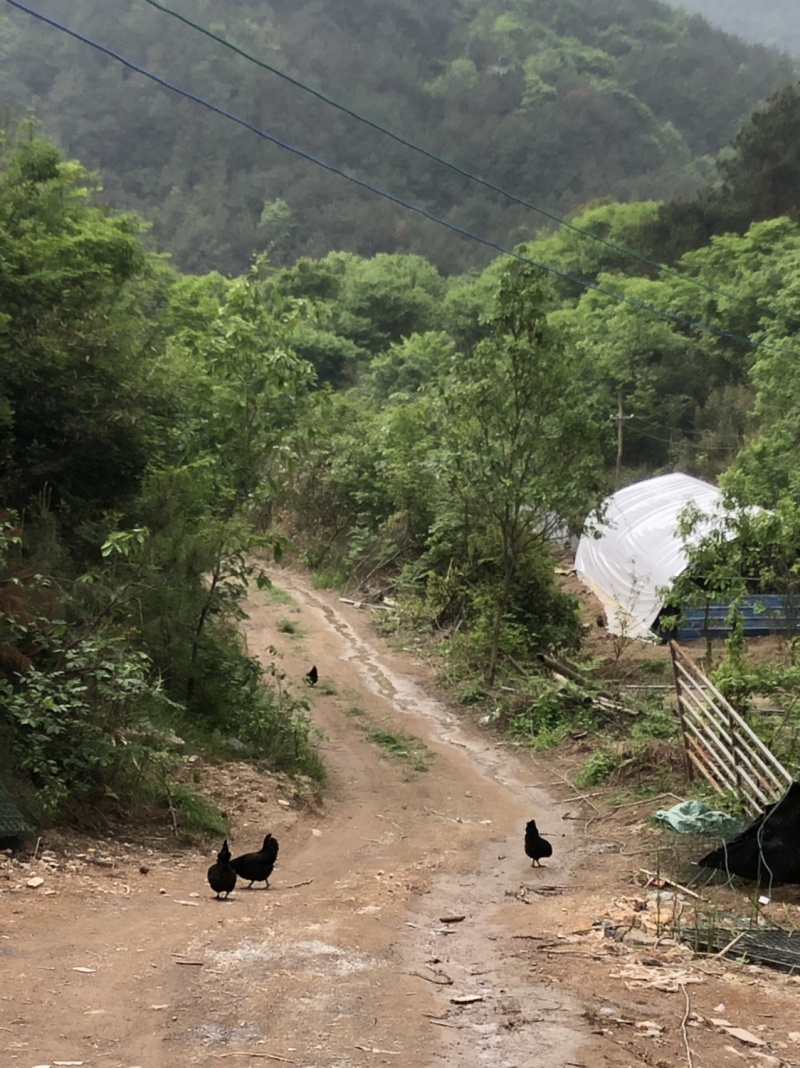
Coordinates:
747	1037
670	980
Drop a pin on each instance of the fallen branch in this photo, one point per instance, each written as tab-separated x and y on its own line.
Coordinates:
645	801
563	669
631	852
671	882
689	1060
614	706
520	670
577	797
574	953
730	945
451	919
265	1056
444	981
294	886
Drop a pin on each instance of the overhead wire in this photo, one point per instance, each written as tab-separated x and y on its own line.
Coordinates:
684	442
464	173
673	317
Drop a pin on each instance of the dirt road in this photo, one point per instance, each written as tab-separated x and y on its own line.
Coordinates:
402	923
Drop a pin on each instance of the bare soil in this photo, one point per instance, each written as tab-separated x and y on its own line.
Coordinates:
403	924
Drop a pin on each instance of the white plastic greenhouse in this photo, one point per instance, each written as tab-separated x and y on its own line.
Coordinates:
639	550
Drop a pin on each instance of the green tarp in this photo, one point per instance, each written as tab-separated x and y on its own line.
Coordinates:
693	817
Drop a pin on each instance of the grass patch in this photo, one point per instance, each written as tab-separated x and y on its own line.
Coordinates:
354	711
596	769
330	578
288	626
472	695
654	669
405	746
327	687
656	724
193	811
275	595
547	714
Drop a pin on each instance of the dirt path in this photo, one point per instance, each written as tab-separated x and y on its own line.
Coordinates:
354	957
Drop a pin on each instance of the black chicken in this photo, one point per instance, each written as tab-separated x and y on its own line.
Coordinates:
536	847
312	675
221	876
258	866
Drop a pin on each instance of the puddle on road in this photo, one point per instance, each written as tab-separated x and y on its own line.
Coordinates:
310	956
217	1035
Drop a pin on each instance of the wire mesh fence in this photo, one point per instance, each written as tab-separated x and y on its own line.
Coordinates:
773	946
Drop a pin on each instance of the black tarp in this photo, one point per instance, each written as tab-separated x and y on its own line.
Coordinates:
768	851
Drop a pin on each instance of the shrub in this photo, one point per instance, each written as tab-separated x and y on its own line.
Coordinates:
551	713
86	724
596	769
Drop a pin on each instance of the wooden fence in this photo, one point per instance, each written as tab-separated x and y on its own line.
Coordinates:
719	744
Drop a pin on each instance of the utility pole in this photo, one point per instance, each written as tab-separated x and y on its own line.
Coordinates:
619	419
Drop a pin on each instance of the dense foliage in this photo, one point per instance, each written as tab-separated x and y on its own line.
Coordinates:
138	412
557	102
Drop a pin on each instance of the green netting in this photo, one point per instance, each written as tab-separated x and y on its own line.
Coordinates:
12	822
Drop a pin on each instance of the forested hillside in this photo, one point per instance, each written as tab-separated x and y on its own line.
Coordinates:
557	102
774	22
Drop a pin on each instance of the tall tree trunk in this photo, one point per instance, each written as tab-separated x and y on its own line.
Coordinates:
499	616
198	633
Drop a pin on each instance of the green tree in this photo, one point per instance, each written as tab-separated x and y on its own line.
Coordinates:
80	337
758	178
521	441
204	506
409	366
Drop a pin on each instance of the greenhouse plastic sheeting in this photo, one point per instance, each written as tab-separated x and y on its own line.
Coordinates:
639	549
